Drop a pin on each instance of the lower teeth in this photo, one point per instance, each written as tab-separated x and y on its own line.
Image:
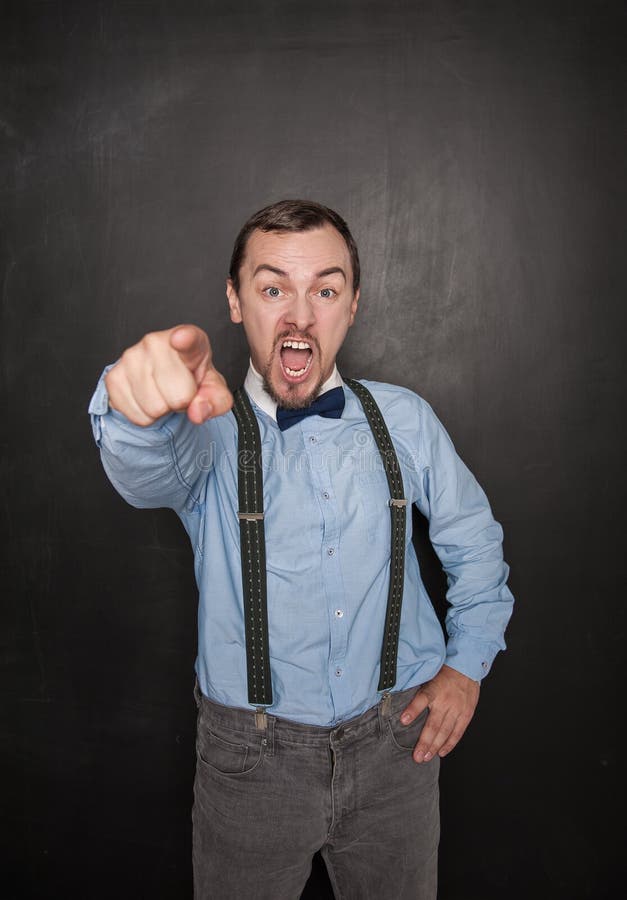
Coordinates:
295	373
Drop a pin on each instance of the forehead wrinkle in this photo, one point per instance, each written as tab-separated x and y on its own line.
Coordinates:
327	272
269	249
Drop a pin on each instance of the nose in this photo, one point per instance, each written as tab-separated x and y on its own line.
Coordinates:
300	315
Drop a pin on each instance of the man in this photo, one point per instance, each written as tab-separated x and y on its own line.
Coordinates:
325	690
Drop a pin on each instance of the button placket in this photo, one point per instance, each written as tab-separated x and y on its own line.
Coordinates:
321	471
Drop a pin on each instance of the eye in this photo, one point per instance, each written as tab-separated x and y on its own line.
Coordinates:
273	292
327	293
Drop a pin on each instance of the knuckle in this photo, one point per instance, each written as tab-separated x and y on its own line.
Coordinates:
213	377
155	410
209	381
181	400
127	359
139	417
113	378
149	342
434	723
178	403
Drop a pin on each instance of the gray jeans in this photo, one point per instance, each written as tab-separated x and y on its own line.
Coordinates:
268	795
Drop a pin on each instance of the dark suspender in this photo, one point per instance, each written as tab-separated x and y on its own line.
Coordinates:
253	550
398	505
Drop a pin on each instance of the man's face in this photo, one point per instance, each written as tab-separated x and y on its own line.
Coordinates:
296	303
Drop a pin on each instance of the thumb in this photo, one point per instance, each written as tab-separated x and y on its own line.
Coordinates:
192	345
213	398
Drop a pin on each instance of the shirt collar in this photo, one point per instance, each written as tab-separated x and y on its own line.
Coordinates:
253	385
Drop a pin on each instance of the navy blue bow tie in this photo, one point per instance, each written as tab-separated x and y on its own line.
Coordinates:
330	404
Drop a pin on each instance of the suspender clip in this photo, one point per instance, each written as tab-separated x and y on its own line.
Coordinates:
261	719
250	516
398	501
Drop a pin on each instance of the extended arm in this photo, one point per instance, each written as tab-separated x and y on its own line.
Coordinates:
149	447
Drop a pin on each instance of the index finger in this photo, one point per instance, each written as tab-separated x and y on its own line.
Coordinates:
413	709
192	345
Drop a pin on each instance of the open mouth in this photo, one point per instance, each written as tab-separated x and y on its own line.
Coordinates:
296	358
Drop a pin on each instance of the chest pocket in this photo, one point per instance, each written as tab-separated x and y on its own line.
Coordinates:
375	502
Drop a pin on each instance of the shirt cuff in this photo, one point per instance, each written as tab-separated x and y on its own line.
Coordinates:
99	405
469	656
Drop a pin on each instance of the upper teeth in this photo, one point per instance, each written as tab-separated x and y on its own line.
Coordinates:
297	345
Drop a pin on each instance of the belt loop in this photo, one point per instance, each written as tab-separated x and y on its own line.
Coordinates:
265	724
384	708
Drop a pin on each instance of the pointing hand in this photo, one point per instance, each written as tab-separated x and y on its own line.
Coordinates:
168	371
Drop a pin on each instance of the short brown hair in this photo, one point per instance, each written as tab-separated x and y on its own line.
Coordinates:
292	215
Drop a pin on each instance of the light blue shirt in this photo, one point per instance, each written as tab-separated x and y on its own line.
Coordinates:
327	526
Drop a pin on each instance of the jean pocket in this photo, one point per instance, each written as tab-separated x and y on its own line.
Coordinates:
405	737
234	757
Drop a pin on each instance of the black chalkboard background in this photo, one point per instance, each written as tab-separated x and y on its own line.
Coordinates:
477	151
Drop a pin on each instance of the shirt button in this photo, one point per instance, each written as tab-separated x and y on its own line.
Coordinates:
339	672
330	551
326	495
339	613
312	439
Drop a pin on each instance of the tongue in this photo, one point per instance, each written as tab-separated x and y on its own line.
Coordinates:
295	359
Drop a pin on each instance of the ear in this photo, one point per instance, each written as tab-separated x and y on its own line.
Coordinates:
236	312
354	303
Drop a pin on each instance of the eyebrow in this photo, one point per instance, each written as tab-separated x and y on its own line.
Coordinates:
332	270
268	268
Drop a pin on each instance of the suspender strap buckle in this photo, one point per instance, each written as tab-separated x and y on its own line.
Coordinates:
250	516
398	502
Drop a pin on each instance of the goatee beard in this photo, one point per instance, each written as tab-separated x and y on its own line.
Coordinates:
289	402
